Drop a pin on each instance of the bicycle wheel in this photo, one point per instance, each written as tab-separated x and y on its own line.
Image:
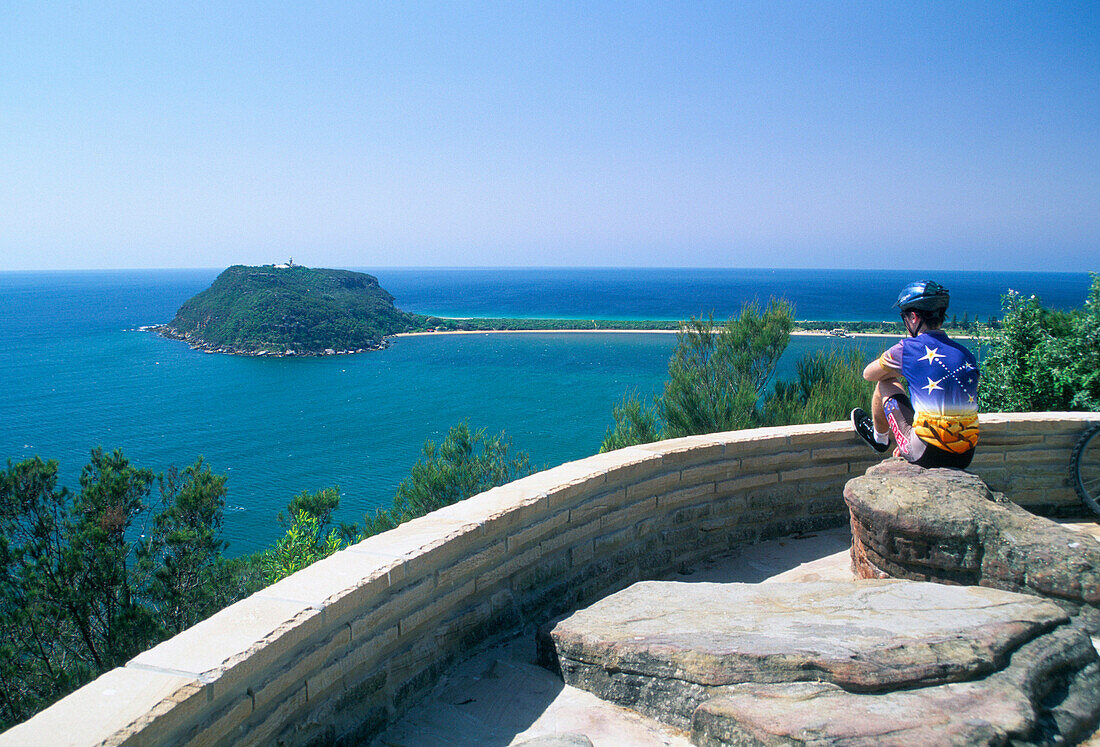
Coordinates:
1086	468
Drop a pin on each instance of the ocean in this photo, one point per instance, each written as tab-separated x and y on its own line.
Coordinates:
76	373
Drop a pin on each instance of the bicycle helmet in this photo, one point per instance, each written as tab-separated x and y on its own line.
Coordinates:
923	295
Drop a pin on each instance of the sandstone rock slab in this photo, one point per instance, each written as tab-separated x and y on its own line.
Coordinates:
947	526
889	647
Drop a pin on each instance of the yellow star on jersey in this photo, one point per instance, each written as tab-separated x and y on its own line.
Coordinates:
931	355
932	386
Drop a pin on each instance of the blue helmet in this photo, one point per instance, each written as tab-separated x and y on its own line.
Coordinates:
923	295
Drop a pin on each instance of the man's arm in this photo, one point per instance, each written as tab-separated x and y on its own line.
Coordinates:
875	371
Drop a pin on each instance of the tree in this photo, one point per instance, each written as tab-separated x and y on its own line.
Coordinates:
69	609
1041	359
826	388
719	378
188	580
464	464
716	376
635	423
303	544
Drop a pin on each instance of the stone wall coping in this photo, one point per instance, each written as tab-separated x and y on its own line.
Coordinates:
498	556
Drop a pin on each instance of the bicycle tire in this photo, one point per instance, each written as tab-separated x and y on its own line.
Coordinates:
1086	468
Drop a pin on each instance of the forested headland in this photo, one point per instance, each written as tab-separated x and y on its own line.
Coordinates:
289	309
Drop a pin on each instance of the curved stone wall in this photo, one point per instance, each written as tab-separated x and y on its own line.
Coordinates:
340	648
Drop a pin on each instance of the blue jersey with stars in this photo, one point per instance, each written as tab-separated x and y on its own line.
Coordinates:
943	387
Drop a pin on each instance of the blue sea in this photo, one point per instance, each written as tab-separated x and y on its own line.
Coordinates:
76	373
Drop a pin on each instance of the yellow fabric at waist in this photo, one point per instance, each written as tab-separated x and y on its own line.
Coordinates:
957	434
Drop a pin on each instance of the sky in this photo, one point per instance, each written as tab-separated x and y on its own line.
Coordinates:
940	135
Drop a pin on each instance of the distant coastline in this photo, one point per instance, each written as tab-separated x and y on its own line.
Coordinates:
537	326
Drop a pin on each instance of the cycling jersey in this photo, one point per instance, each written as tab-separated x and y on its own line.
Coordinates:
943	387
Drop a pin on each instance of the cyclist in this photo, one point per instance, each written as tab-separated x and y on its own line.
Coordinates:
936	423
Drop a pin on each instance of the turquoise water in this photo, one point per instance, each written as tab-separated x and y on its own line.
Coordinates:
74	373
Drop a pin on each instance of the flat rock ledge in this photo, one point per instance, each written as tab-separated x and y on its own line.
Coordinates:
947	526
854	663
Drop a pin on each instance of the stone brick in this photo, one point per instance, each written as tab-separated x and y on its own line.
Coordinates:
542	572
1039	456
596	506
827	505
274	687
820	434
428	543
240	643
774	462
678	452
262	727
757	441
393	606
1009	439
983	458
607	544
499	509
581	553
628	515
846	453
730	505
684	496
711	472
653	486
414	619
747	482
619	467
223	726
513	564
340	584
465	628
122	704
370	649
470	566
572	536
690	514
814	473
527	536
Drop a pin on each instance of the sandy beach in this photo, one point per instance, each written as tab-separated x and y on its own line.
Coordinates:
798	333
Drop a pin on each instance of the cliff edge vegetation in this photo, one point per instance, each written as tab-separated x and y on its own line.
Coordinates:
289	309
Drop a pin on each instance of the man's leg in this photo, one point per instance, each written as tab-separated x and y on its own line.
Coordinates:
884	390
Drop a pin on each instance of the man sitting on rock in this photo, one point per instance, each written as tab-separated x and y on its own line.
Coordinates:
936	424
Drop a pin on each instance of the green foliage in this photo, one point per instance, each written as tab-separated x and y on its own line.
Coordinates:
69	605
465	464
294	308
319	505
826	388
188	580
719	377
1041	359
302	545
635	423
80	595
716	376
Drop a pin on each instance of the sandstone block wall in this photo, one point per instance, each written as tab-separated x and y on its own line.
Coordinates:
338	649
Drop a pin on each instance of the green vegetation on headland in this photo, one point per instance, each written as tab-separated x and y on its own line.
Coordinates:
288	309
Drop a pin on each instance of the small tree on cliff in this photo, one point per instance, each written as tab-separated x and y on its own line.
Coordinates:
1041	359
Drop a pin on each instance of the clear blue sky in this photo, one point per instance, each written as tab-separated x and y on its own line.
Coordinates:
723	134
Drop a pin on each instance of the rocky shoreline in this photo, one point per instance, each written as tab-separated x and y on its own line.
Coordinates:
196	343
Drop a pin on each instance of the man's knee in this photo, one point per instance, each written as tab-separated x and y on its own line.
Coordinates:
888	388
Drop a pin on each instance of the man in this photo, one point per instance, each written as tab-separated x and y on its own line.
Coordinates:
936	424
